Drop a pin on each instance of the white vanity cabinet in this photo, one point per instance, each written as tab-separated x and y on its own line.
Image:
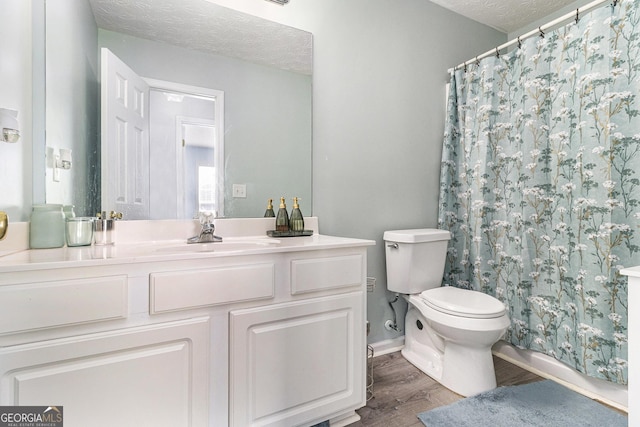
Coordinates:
270	337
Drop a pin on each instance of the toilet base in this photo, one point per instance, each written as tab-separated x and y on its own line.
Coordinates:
463	369
468	371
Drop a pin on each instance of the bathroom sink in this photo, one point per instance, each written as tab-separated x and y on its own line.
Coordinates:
224	246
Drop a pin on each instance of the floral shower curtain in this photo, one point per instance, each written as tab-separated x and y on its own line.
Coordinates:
540	186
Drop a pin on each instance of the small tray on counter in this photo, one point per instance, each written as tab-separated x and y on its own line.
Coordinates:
276	233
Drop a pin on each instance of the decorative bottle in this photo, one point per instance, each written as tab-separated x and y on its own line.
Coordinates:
46	228
282	220
296	222
269	212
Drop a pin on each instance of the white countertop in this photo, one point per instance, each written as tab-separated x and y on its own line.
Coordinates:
159	241
167	250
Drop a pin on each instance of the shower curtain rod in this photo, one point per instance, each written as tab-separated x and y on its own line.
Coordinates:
538	31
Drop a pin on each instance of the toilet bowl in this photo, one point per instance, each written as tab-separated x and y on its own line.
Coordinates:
454	348
449	331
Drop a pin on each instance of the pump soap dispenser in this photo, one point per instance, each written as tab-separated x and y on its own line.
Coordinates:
269	212
282	220
296	222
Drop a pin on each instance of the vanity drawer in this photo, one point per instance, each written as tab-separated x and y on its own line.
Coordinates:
47	304
315	274
181	290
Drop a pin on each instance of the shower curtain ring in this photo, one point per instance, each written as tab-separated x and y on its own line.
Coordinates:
577	15
497	53
541	32
519	43
477	61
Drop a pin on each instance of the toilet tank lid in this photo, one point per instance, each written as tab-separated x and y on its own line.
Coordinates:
416	235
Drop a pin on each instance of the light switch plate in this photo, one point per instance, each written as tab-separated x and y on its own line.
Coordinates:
239	191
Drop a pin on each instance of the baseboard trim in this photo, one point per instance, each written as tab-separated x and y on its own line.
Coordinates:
344	419
387	346
545	366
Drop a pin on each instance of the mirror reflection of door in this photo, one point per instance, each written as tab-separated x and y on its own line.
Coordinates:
124	139
181	151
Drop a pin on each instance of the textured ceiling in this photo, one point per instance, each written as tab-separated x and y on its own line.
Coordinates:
204	26
504	15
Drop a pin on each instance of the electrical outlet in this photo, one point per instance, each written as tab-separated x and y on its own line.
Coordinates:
239	191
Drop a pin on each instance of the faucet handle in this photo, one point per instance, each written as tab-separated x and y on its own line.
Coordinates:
206	217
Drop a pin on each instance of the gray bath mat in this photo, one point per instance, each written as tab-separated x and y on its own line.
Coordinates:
543	403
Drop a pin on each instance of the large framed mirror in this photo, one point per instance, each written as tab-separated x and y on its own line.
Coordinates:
263	69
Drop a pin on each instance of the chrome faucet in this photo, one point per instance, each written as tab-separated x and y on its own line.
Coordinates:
206	233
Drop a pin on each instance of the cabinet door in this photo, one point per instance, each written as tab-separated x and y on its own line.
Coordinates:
155	375
298	362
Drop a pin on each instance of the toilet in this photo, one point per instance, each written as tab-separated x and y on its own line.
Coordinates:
449	331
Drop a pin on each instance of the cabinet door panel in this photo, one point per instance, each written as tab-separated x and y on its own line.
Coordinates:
153	375
296	362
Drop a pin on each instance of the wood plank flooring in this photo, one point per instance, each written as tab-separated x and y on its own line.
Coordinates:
401	391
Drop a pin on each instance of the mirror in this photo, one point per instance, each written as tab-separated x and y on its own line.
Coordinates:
263	69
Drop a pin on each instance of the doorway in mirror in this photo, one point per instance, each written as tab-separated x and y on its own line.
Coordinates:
173	139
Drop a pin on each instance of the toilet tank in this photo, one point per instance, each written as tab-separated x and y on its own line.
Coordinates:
415	259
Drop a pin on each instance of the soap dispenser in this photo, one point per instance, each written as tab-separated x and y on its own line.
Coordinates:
282	220
269	212
296	223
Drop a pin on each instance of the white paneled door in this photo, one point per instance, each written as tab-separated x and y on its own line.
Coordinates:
124	139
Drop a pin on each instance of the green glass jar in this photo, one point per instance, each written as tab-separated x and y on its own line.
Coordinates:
46	228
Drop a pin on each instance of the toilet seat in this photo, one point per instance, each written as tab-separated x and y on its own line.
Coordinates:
463	302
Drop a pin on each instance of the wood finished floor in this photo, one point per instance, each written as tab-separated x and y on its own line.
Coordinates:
401	391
